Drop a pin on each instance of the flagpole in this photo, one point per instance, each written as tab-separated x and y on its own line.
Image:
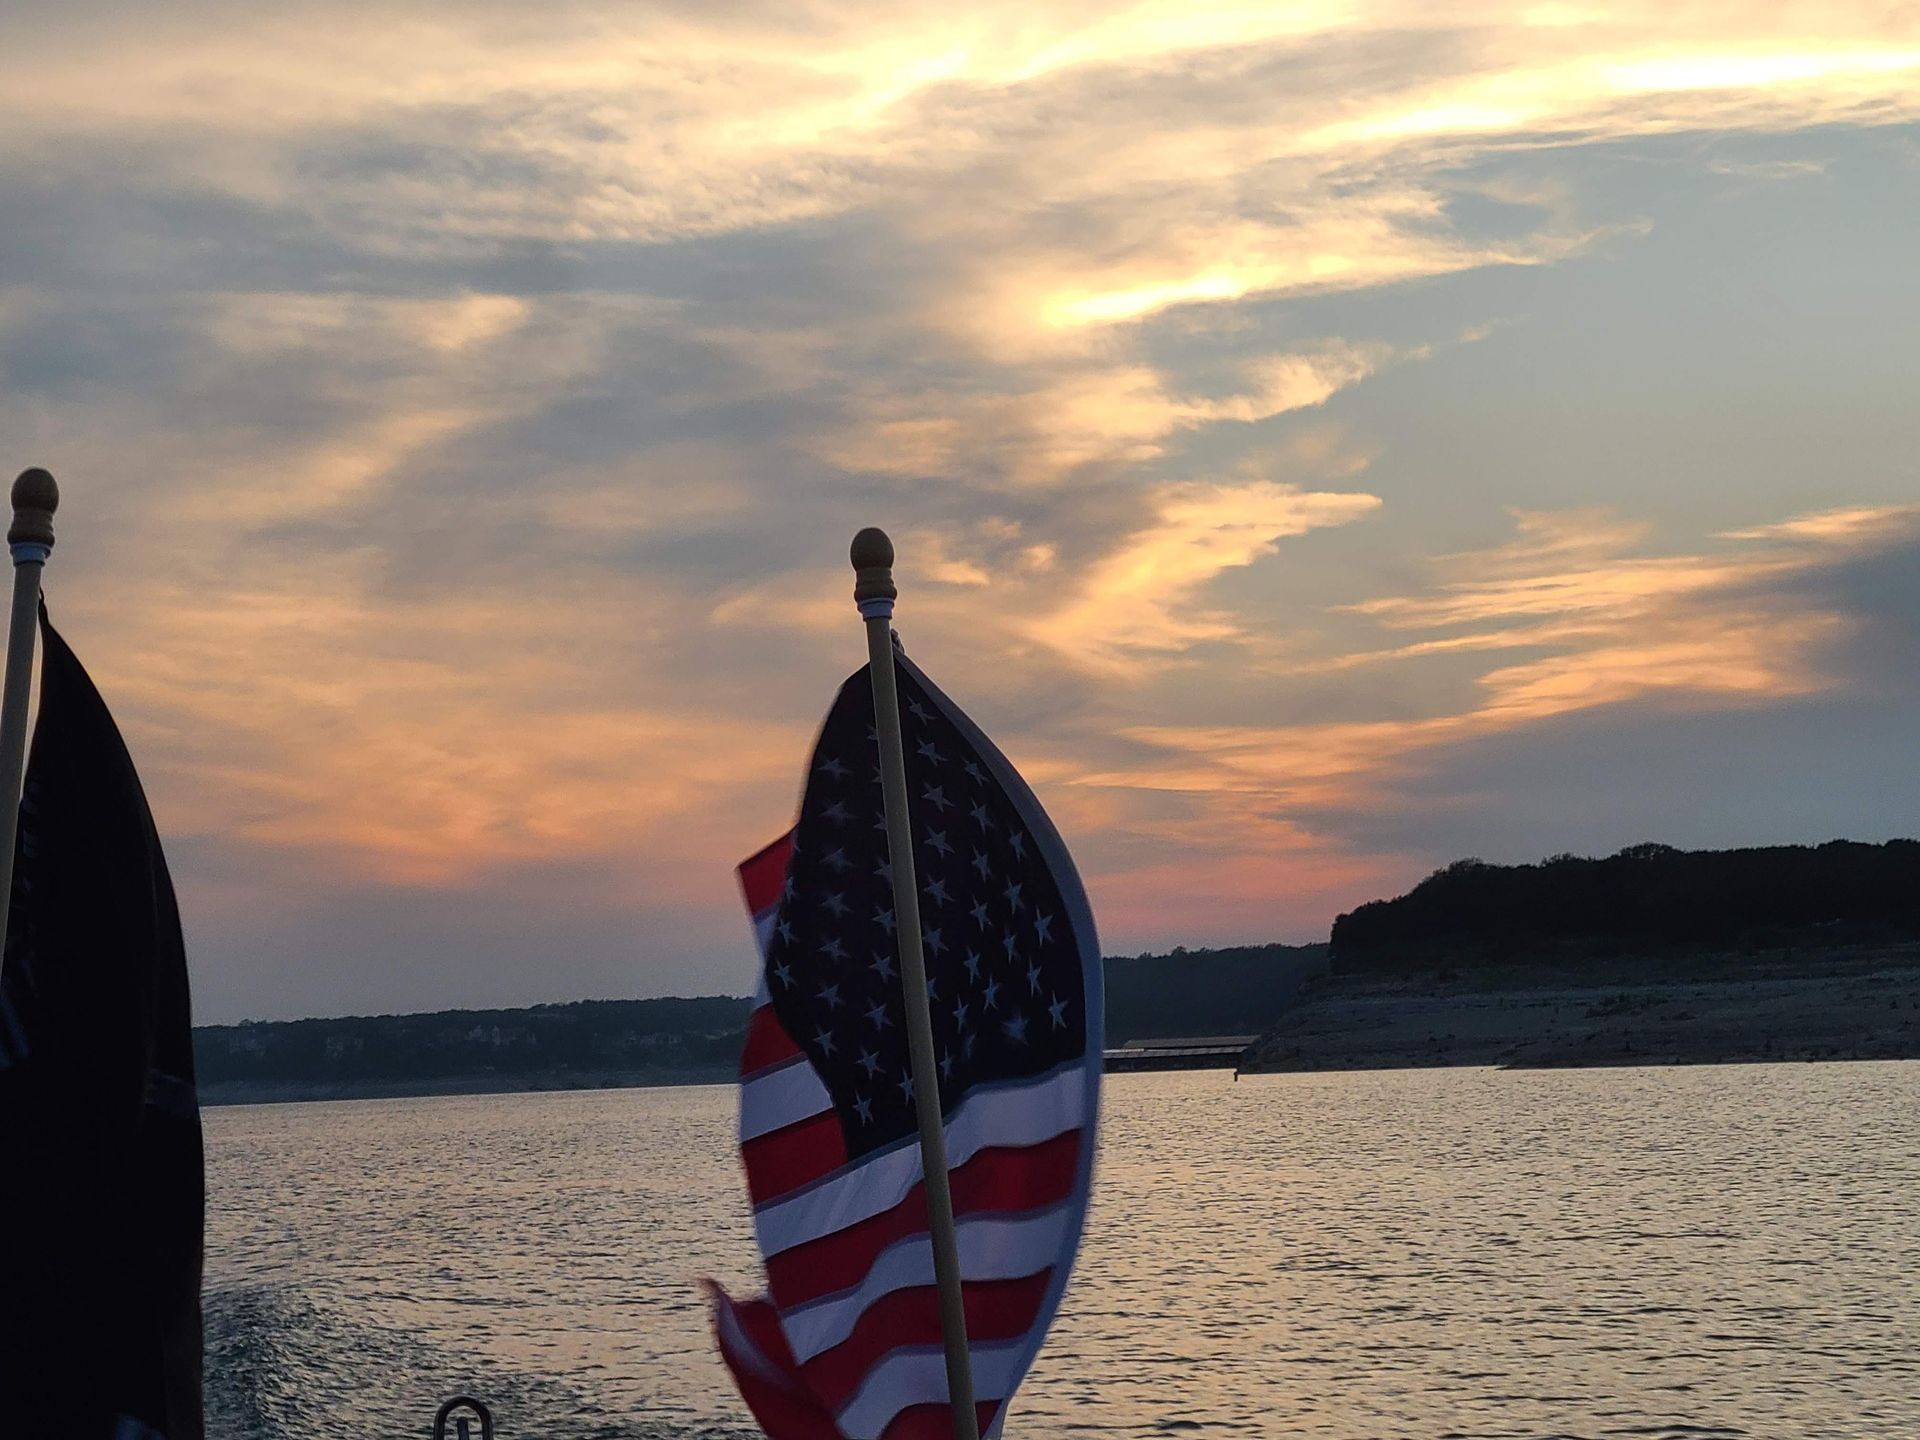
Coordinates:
874	592
35	498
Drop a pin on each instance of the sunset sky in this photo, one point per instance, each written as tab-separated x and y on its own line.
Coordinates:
1322	440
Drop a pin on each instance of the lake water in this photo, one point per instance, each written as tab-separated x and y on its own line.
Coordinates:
1700	1253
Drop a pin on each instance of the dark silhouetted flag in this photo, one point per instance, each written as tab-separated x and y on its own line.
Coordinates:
101	1191
847	1342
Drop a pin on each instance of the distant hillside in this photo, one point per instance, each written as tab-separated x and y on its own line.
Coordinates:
1648	899
1237	991
597	1043
584	1044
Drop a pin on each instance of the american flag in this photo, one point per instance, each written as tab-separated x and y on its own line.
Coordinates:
846	1344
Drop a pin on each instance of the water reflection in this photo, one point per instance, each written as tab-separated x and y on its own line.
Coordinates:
1706	1252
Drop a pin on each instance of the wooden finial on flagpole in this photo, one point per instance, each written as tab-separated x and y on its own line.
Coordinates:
874	592
36	495
35	498
872	556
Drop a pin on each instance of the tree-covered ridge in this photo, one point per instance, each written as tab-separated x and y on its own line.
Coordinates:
1234	991
587	1038
1646	896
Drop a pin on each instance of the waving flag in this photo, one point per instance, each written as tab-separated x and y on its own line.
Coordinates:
847	1341
100	1172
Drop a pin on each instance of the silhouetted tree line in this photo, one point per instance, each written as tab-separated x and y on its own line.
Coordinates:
587	1038
1647	896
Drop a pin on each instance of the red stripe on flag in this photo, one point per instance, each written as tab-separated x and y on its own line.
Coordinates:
786	1159
932	1422
1007	1179
763	875
996	1310
762	1366
767	1042
761	1325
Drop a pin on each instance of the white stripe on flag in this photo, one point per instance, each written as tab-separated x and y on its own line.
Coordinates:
1012	1115
918	1376
784	1095
763	927
992	1247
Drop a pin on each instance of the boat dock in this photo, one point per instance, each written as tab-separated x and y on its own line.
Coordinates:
1193	1052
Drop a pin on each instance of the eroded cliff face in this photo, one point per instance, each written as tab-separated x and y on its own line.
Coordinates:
1861	1003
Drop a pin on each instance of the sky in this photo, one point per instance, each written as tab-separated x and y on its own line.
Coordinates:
1322	440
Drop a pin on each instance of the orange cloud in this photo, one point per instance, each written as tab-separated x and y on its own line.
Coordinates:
1043	432
435	748
1138	604
1690	630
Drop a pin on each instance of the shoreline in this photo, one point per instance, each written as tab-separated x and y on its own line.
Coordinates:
1721	1009
220	1093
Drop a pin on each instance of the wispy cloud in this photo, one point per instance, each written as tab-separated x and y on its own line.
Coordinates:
1691	630
1139	603
1058	423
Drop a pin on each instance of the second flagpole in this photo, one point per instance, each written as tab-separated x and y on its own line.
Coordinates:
35	498
874	593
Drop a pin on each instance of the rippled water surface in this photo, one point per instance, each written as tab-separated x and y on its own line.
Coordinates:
1699	1253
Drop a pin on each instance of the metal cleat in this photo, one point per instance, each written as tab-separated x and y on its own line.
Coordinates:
463	1424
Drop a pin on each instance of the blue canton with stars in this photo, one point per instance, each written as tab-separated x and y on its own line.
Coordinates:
1003	967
